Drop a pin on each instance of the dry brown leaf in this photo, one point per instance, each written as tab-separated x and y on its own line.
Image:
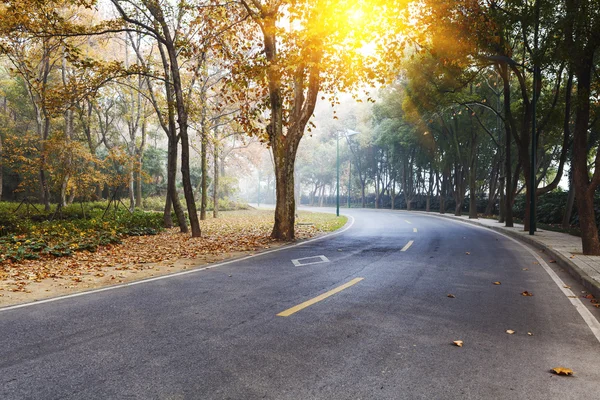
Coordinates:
588	296
525	269
458	343
572	297
510	331
562	371
468	253
567	287
552	261
526	293
451	296
497	283
596	305
529	333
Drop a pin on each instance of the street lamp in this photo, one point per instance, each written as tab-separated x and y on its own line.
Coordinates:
347	133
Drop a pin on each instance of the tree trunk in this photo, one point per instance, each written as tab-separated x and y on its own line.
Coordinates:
204	180
285	216
362	194
167	220
502	201
584	189
182	120
473	184
172	189
566	221
504	73
428	203
216	179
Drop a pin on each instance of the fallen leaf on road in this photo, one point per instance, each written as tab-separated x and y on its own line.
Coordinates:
497	283
567	287
552	261
594	301
562	371
526	293
510	331
530	333
451	296
458	343
596	305
468	253
525	269
588	296
572	297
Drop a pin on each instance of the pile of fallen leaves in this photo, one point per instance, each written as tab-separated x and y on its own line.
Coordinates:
235	232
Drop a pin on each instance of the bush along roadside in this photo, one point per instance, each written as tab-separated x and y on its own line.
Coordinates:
27	239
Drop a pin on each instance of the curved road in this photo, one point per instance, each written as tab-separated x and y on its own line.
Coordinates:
216	334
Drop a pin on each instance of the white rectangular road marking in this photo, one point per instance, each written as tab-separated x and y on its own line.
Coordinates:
298	262
407	245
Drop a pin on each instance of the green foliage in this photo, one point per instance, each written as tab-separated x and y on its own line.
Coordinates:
25	237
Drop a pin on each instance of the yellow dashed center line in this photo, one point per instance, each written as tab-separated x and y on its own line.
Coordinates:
310	302
407	245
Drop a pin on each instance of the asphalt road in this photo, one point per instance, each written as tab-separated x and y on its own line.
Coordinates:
216	334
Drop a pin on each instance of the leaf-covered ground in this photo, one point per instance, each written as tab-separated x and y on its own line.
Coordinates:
234	234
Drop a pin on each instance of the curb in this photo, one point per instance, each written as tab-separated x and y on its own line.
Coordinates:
581	276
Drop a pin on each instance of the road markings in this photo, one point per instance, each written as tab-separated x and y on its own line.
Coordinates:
407	245
407	221
415	230
298	262
317	299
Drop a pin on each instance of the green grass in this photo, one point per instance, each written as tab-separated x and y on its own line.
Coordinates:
323	222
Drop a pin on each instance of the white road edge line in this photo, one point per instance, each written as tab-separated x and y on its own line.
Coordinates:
192	271
587	316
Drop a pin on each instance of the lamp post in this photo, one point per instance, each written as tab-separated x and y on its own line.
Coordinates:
349	181
347	134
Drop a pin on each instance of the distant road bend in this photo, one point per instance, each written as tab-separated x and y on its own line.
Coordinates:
364	314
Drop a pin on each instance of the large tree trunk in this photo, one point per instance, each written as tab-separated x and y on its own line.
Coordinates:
285	206
584	189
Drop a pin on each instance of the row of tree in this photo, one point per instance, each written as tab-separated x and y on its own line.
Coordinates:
480	79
